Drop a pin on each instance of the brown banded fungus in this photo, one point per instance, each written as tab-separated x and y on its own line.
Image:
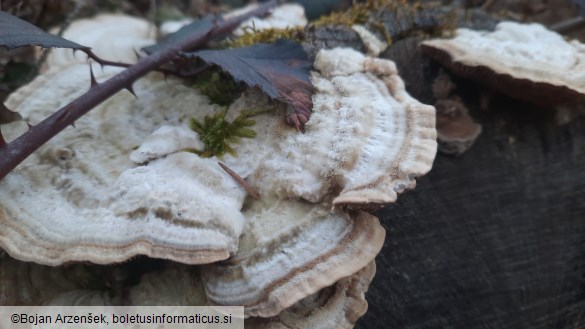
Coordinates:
366	141
90	206
338	306
124	182
80	198
524	61
456	130
291	250
364	129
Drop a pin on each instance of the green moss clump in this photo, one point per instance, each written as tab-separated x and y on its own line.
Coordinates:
357	14
393	19
217	134
252	36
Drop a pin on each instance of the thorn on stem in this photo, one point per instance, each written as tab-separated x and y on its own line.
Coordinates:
61	116
92	77
253	193
131	90
138	56
2	140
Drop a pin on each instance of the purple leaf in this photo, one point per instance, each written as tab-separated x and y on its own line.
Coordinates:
281	70
14	33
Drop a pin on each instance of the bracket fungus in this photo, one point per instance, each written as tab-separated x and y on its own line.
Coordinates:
123	182
456	130
366	141
338	306
391	123
361	147
525	61
372	43
290	251
79	198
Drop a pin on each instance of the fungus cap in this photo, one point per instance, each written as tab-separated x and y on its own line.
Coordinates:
525	61
338	306
366	141
456	130
119	183
80	198
289	251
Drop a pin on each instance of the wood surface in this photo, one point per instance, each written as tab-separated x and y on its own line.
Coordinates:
494	238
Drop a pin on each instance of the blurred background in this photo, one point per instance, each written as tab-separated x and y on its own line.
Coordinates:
492	238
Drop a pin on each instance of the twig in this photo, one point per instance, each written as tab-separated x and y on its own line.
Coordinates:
253	193
568	24
103	62
13	153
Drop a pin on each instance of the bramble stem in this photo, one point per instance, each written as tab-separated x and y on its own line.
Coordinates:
13	153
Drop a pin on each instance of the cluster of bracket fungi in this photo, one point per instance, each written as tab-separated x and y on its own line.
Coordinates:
119	185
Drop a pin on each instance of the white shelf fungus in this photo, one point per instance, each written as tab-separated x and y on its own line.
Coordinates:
372	43
380	137
456	130
80	198
338	306
291	250
119	183
526	61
